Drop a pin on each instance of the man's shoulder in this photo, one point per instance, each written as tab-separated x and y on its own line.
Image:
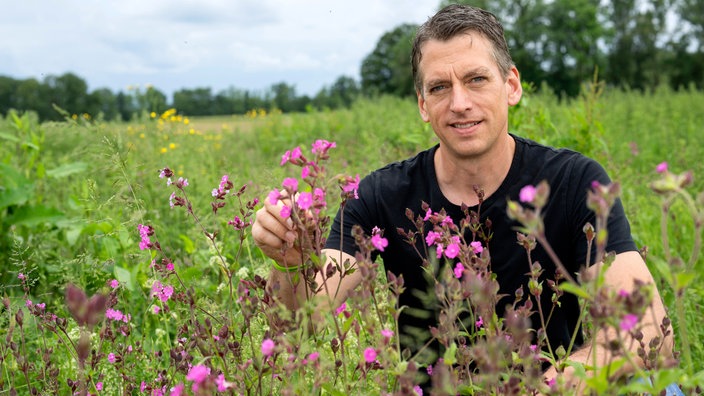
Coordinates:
557	158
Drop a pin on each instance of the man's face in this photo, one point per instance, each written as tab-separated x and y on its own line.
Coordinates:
464	96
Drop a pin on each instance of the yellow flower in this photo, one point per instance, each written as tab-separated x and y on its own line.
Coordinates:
192	131
172	146
141	136
152	114
186	121
75	116
86	116
180	172
164	150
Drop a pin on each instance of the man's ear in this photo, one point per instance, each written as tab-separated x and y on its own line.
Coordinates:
514	87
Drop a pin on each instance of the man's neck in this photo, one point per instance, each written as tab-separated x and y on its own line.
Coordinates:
457	177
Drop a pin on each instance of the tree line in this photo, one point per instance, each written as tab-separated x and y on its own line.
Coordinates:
558	44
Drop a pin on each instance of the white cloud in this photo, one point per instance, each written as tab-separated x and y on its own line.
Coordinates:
248	44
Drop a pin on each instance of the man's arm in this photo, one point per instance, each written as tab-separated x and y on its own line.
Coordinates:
627	268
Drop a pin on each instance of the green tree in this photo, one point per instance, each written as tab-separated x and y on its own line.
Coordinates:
8	87
103	101
33	95
570	51
194	102
634	58
387	70
67	91
283	97
525	27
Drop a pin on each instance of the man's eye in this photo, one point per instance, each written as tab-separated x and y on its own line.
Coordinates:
478	79
437	88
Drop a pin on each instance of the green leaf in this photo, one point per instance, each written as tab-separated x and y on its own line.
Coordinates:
188	244
124	276
15	189
329	388
450	355
34	215
684	279
663	269
9	137
67	169
575	289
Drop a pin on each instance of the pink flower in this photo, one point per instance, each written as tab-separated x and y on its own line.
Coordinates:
285	157
290	183
222	384
386	333
459	270
305	200
268	347
661	168
142	386
144	232
198	373
369	355
429	370
285	211
623	293
341	308
351	186
99	386
321	146
428	213
28	303
432	237
111	357
477	247
527	194
418	390
296	153
177	390
305	172
319	196
21	276
379	242
274	196
629	322
313	356
452	250
156	309
161	291
479	323
113	314
114	284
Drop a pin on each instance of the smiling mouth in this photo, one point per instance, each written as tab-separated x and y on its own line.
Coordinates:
465	125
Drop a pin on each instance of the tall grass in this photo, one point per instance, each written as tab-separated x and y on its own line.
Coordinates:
74	192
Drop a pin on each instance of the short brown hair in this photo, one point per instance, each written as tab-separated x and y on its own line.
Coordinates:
457	19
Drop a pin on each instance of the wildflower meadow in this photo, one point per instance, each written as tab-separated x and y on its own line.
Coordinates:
128	267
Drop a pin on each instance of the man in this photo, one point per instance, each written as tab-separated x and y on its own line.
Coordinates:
465	82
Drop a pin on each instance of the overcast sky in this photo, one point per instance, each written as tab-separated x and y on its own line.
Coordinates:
248	44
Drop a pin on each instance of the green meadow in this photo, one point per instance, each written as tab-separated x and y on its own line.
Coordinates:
73	193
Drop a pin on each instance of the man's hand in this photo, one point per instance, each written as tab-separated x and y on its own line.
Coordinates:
275	235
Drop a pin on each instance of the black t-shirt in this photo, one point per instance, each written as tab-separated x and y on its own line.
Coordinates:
385	194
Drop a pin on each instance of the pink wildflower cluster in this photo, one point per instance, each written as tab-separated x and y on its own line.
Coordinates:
445	237
223	188
162	292
145	231
117	315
